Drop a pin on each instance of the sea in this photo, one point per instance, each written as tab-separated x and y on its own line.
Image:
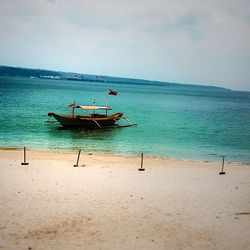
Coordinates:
176	121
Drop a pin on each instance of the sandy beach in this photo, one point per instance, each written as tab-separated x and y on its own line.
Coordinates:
106	203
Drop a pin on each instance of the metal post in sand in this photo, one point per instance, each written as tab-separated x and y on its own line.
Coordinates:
24	157
78	157
141	168
222	169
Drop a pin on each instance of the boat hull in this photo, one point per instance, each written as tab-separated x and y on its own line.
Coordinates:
83	121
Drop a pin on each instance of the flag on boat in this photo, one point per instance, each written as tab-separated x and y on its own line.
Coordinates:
112	92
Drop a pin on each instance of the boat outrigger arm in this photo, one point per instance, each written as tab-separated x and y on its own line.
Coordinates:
116	125
128	125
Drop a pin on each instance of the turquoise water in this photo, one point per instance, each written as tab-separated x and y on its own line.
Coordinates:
177	121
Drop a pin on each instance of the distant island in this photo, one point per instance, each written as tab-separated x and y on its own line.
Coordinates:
60	75
9	71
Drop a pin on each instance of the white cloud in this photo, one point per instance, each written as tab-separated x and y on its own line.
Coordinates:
187	41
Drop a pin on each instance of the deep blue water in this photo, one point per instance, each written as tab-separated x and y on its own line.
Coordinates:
179	121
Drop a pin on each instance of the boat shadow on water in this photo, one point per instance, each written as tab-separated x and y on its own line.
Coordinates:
107	133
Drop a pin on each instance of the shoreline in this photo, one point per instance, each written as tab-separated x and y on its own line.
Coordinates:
39	154
105	154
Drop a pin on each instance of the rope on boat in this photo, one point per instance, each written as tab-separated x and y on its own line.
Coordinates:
49	121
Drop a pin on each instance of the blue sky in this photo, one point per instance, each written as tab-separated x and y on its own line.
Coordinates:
196	41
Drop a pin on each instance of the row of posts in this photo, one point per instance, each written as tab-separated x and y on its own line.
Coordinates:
139	169
77	161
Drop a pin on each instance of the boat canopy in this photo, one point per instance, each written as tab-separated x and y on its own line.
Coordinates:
88	107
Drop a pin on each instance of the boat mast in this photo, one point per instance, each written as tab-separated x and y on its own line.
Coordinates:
94	105
73	105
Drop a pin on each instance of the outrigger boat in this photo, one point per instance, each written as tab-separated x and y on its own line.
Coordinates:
90	121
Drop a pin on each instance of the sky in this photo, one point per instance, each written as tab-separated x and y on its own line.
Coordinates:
204	42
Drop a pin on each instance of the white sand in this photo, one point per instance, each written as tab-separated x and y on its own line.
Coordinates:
109	204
